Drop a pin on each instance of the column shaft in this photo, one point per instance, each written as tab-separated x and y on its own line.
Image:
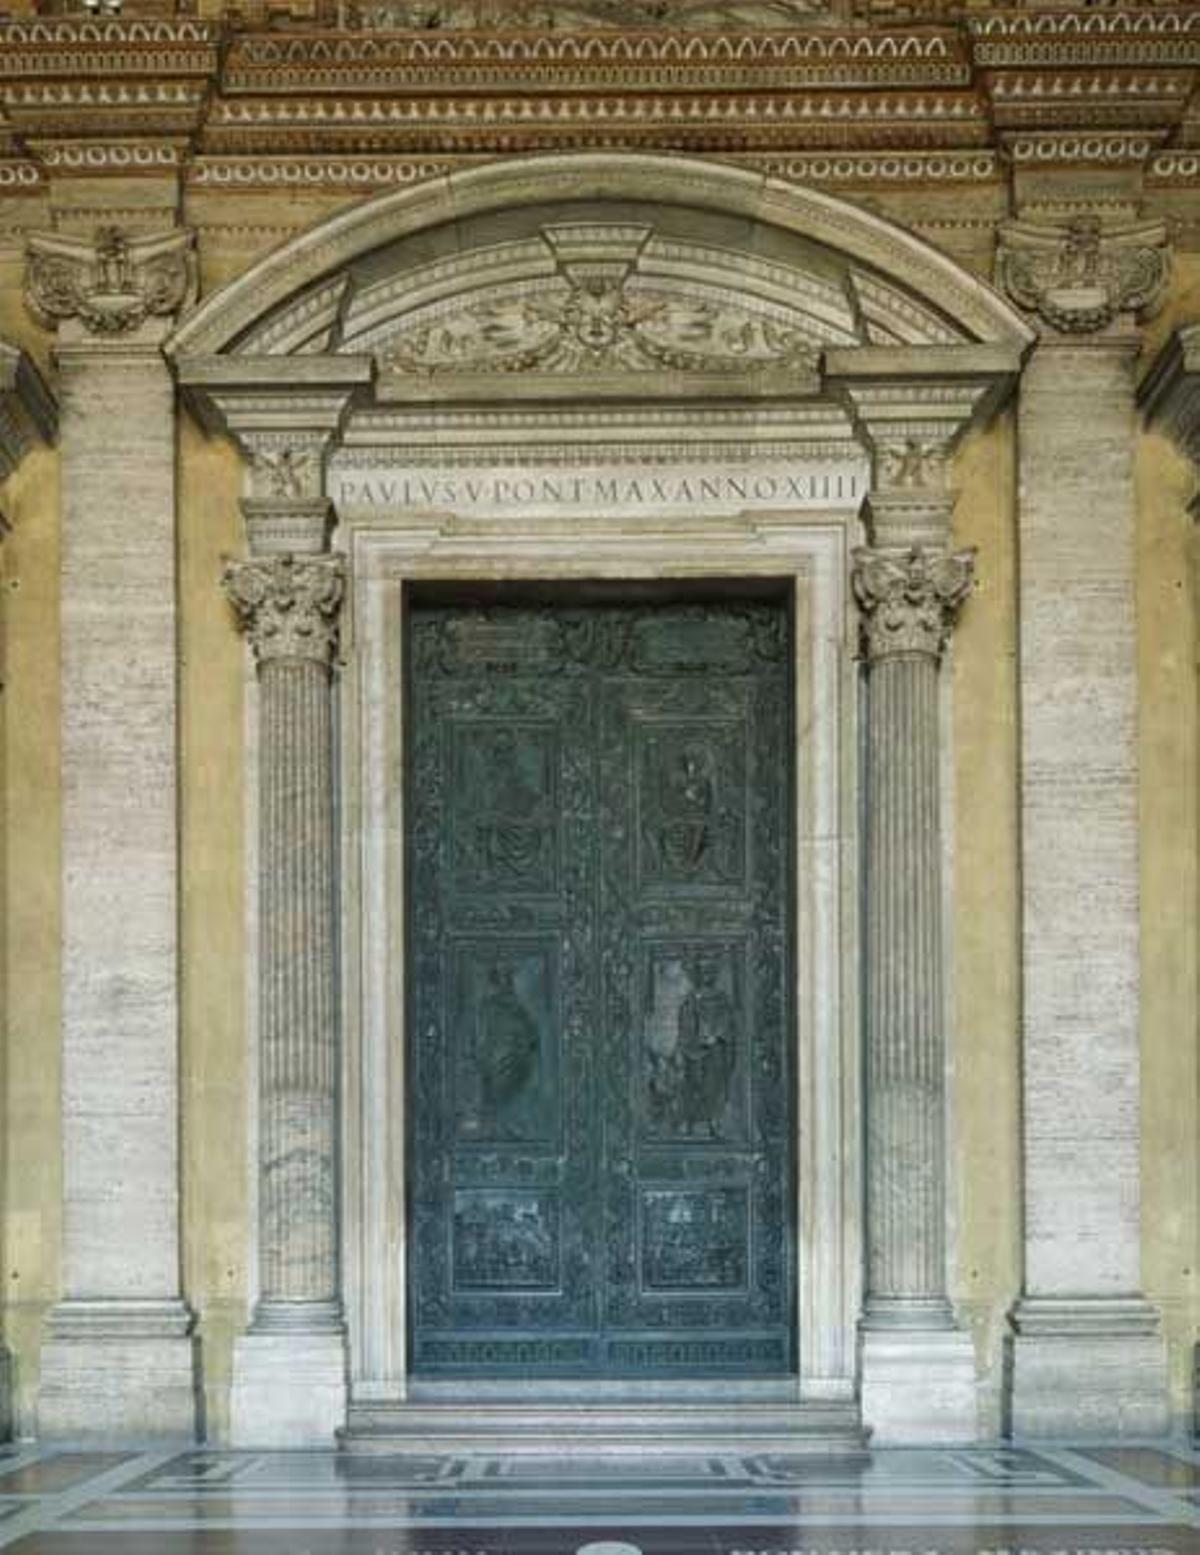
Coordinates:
905	1038
298	1252
918	1368
289	1372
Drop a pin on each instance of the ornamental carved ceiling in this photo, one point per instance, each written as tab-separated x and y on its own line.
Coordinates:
356	95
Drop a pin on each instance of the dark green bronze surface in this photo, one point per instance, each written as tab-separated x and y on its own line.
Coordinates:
600	1090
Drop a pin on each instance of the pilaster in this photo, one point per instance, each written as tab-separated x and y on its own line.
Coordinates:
1087	1352
289	1382
1169	398
918	1365
28	415
118	1357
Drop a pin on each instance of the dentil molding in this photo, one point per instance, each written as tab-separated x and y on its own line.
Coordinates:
112	283
910	598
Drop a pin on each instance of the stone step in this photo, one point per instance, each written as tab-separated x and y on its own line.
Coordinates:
607	1426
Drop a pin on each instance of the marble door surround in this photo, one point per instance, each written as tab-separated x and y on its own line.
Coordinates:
419	418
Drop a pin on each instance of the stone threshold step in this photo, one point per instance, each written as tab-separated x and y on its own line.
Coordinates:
556	1429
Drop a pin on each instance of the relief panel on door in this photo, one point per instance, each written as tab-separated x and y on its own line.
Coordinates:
599	1050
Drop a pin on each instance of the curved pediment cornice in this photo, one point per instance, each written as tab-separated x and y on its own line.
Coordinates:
762	252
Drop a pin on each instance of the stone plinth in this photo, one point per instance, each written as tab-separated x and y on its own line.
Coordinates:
289	1389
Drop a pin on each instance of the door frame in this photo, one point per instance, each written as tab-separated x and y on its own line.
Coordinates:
811	551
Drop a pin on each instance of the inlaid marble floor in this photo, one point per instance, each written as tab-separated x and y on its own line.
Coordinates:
1127	1500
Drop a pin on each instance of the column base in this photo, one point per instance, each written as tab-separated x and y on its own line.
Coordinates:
289	1389
118	1371
1087	1366
918	1386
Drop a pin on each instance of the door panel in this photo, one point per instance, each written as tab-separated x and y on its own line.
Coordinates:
599	1026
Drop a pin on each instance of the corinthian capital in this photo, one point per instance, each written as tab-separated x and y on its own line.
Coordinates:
910	598
288	606
112	283
1079	275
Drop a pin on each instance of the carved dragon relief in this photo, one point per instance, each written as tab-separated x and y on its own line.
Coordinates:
598	314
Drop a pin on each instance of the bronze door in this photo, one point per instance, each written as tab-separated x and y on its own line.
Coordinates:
600	1080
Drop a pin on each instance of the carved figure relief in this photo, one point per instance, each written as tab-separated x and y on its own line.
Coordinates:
507	1045
601	1138
505	1240
693	1038
695	1239
503	782
692	806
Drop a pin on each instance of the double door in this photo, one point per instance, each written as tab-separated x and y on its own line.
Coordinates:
600	1086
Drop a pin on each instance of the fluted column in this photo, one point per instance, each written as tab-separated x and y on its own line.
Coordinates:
285	413
289	1384
288	607
909	599
917	1366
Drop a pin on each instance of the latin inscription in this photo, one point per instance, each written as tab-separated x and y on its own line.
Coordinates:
591	490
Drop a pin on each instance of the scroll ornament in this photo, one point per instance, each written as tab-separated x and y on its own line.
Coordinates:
910	599
113	283
1079	276
288	606
602	325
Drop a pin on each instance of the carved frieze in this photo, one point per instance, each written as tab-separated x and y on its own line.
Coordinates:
559	15
910	598
601	310
600	326
288	606
1080	275
111	284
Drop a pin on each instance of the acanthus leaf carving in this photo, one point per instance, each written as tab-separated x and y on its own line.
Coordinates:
910	599
113	283
1079	275
288	606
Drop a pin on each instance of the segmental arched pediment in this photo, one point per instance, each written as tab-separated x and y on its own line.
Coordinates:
662	263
